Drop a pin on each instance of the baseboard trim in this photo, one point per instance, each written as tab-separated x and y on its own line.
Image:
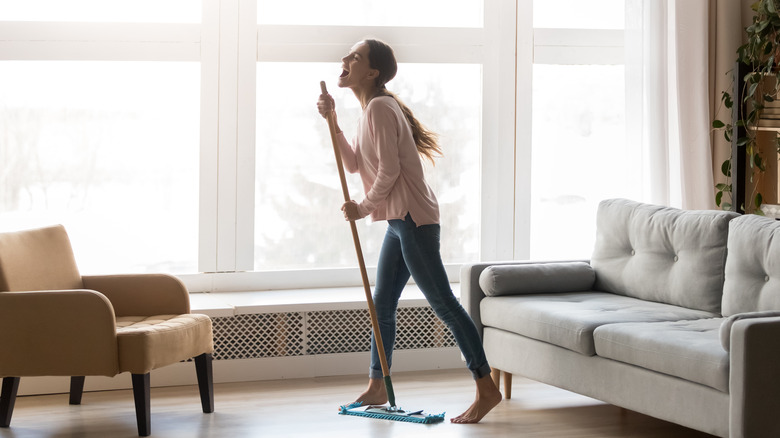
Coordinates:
247	370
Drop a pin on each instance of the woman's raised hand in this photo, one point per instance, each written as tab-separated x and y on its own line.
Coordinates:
326	105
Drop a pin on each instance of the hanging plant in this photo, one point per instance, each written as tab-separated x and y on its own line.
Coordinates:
761	55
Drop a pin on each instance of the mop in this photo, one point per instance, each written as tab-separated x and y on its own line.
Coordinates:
391	412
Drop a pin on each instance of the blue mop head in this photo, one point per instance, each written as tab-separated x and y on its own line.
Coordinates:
390	413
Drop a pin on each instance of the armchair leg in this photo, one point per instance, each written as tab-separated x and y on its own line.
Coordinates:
8	399
507	385
141	394
76	389
205	382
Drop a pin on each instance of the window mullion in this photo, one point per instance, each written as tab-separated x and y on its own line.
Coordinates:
246	133
523	133
227	150
498	132
209	137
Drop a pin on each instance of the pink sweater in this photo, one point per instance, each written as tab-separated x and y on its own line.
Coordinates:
385	154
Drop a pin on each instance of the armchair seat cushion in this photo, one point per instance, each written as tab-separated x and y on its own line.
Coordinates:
149	342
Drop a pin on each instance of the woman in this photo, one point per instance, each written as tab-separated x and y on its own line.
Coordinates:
387	153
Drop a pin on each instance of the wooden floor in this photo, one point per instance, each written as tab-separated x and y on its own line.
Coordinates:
308	408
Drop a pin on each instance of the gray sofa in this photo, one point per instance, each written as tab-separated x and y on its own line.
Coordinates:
676	315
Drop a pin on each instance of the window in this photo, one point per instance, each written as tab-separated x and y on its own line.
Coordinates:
99	130
182	136
298	194
579	148
108	149
442	77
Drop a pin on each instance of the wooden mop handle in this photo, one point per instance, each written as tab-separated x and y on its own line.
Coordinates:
361	262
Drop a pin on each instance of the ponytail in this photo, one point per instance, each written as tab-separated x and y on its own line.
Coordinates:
382	58
427	141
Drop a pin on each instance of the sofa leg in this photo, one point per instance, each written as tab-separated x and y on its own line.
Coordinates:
205	382
76	389
8	399
495	374
141	394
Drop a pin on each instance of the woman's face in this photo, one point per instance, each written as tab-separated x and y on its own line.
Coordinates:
357	71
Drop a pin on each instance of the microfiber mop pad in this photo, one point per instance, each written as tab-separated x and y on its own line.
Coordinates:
390	413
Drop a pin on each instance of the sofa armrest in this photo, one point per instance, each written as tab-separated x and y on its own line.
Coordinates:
142	294
725	326
57	333
471	292
754	382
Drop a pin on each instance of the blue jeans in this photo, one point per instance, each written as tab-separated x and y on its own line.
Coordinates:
409	250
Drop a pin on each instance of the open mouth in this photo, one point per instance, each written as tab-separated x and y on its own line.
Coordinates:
344	73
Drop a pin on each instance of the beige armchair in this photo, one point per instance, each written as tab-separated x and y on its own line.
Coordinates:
55	322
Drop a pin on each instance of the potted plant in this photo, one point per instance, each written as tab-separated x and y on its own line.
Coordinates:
760	56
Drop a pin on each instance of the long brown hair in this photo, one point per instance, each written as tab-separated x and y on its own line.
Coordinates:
382	59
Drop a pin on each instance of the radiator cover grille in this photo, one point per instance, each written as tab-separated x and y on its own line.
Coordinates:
261	335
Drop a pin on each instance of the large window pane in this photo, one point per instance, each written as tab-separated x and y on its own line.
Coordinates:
121	11
298	222
580	155
110	150
428	13
578	14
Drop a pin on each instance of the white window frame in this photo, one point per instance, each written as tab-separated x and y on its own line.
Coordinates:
548	46
228	43
230	266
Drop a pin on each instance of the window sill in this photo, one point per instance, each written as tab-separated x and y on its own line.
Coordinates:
223	304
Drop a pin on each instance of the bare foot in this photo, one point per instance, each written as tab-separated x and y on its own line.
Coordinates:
375	394
488	396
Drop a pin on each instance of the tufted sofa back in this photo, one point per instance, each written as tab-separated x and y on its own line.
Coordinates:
661	254
753	267
38	259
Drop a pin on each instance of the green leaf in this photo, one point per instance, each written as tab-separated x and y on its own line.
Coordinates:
752	90
727	134
768	48
717	124
718	198
742	141
759	162
723	187
769	98
725	168
727	206
758	201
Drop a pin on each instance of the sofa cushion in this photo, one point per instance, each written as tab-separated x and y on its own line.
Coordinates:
661	254
753	266
568	319
690	350
529	278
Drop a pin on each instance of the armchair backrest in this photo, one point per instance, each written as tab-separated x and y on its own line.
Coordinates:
38	259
